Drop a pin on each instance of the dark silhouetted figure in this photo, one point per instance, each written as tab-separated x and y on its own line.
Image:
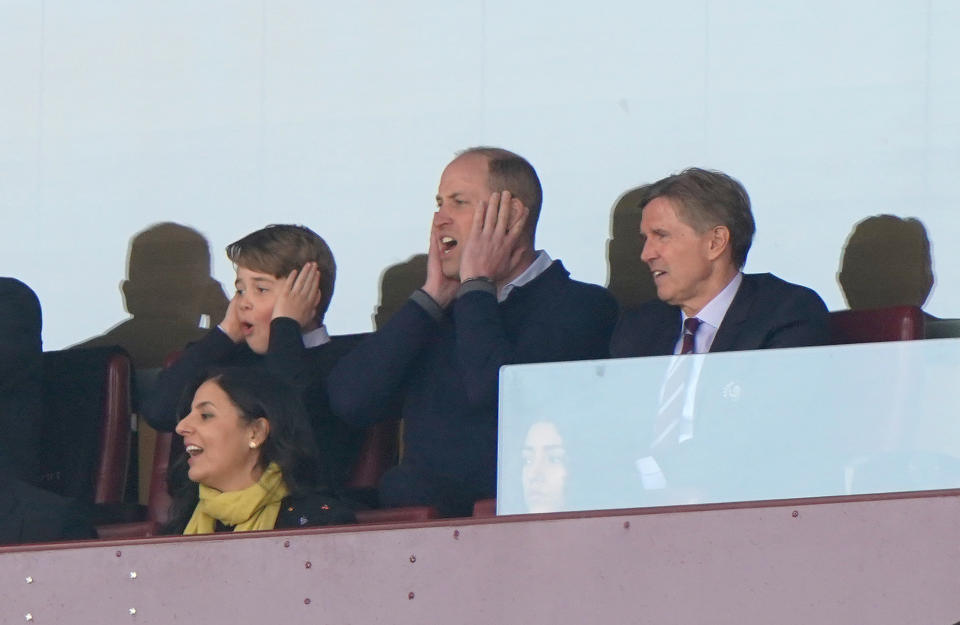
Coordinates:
169	291
630	281
397	282
886	262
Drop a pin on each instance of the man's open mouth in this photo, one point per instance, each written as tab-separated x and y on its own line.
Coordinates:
447	244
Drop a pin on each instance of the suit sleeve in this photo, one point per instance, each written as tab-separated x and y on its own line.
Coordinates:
805	322
574	325
286	356
366	385
161	409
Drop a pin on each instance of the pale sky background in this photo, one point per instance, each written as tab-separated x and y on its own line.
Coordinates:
229	115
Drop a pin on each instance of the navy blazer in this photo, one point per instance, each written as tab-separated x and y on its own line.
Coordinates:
766	312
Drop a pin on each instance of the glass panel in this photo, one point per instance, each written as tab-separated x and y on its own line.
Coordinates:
739	426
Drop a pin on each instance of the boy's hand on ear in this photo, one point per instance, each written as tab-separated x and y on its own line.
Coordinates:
231	322
494	247
299	296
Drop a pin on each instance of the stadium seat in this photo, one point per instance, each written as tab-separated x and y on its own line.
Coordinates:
158	502
85	434
407	514
485	508
899	323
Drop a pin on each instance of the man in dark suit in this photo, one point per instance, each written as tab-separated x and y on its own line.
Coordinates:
697	228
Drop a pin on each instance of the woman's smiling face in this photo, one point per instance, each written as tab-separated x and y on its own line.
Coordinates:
223	446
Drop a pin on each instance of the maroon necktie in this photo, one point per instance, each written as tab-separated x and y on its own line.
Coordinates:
673	391
689	330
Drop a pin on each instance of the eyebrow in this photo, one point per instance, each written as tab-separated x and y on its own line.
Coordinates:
205	403
238	281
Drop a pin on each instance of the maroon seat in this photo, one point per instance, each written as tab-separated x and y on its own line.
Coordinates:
407	514
158	502
85	435
485	508
378	453
899	323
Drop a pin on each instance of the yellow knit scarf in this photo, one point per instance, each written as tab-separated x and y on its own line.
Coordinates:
253	508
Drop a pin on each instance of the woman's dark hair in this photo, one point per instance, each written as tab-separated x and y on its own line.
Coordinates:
290	443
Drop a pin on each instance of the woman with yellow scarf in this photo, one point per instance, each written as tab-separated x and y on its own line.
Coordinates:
250	459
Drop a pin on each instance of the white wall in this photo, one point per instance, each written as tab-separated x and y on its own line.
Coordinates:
229	115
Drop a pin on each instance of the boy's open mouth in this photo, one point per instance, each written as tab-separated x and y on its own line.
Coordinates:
247	328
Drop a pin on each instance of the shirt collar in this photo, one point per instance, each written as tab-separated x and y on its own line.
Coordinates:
316	338
716	309
538	266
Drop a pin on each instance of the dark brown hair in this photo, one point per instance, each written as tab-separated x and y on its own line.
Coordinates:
706	198
278	249
511	172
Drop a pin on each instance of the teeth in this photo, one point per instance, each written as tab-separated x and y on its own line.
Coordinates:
657	274
193	450
447	240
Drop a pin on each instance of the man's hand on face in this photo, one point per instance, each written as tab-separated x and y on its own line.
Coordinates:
492	248
299	296
441	288
231	322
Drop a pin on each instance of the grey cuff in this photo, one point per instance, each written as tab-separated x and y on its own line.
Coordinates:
478	284
428	304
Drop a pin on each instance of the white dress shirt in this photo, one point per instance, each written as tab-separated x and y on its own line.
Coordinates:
710	316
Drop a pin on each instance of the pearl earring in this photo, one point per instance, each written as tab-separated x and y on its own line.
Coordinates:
253	444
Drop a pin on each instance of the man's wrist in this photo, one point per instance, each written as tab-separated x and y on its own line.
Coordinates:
426	301
477	283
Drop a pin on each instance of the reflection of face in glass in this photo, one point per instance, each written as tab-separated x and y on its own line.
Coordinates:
544	468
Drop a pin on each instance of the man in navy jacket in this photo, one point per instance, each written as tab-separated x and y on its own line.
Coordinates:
697	228
490	299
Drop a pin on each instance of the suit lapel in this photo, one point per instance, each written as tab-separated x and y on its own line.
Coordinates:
739	310
668	333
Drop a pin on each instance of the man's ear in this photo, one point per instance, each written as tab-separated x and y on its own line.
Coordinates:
719	241
518	214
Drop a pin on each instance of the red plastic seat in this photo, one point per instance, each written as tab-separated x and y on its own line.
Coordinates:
85	435
485	508
406	514
377	454
899	323
158	503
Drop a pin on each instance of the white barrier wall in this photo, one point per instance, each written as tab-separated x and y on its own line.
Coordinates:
886	561
228	115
